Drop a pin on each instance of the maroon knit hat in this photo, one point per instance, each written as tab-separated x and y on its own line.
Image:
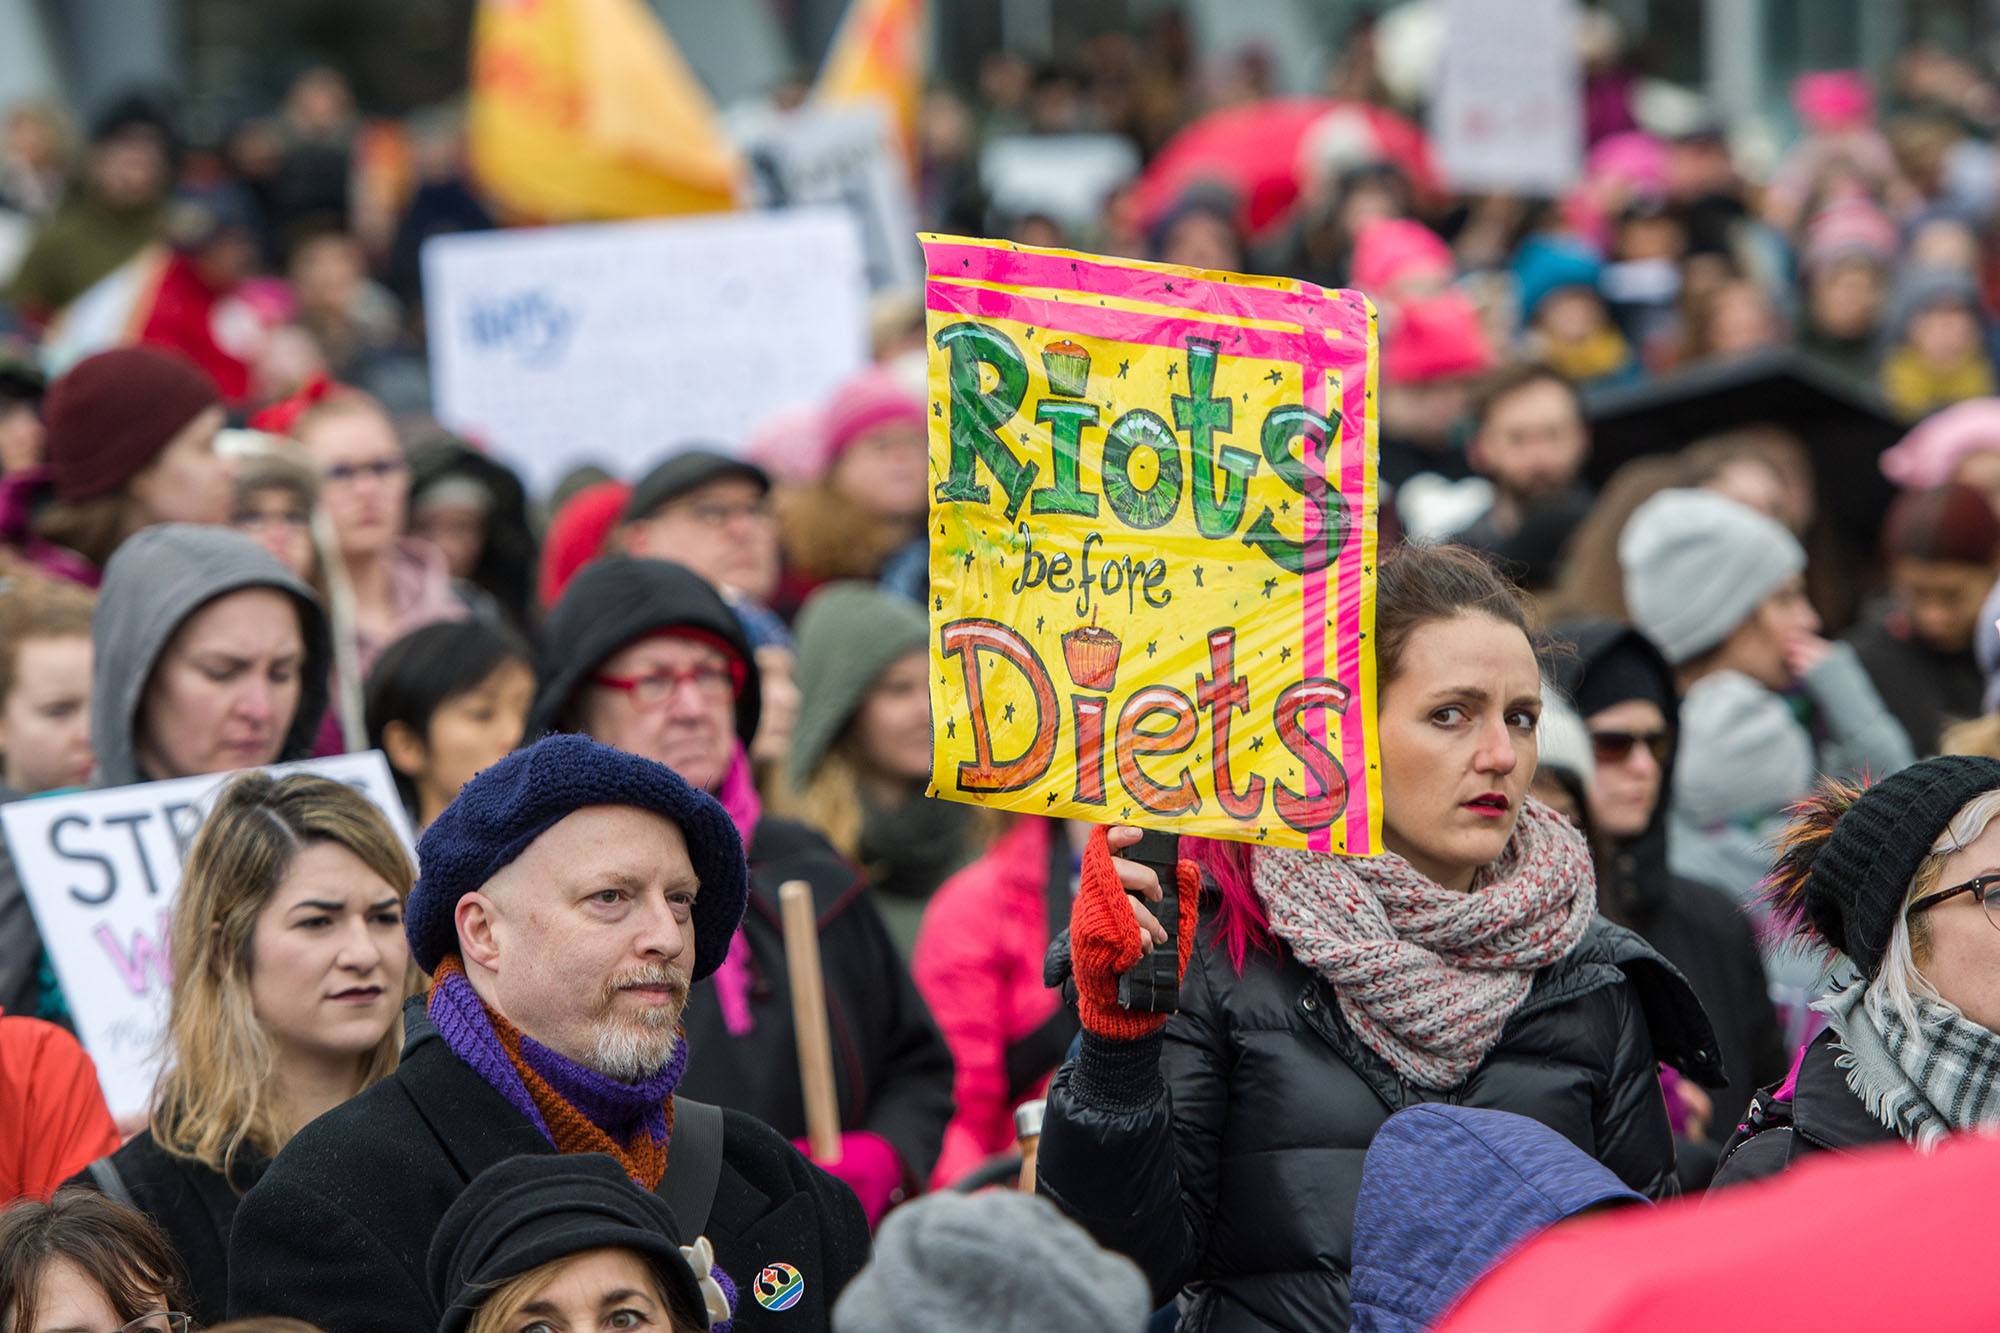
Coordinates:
1949	523
114	412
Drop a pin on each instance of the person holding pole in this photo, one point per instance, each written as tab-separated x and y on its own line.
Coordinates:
1221	1148
646	656
570	897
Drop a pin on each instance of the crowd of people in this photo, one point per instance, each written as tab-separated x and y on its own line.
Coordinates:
1687	653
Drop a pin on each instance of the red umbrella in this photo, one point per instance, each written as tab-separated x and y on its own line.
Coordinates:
1884	1238
1254	150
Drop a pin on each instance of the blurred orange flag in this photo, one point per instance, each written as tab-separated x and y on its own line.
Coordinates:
585	109
878	54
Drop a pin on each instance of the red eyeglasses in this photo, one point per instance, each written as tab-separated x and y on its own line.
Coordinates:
715	682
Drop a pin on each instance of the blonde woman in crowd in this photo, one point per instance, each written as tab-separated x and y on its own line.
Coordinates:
291	970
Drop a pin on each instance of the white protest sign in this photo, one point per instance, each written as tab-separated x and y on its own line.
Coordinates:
1067	176
1507	113
846	156
100	870
616	343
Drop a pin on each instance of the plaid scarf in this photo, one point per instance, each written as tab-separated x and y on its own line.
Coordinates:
1924	1083
1426	976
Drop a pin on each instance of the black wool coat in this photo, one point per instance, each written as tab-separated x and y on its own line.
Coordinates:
337	1231
193	1205
892	1070
1223	1155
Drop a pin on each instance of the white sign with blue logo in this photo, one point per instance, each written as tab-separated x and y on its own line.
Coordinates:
616	343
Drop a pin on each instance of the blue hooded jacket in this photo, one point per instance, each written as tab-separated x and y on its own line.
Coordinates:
1446	1192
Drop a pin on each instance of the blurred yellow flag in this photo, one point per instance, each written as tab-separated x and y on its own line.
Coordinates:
584	109
878	54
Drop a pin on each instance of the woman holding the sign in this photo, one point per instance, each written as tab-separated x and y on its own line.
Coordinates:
291	968
1222	1147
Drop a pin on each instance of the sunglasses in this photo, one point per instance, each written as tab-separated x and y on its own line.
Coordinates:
1615	747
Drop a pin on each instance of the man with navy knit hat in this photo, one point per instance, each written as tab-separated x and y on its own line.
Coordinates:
569	898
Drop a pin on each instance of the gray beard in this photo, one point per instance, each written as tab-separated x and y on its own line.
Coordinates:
631	1052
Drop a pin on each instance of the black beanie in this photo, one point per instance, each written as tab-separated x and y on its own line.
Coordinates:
1855	884
528	1211
1629	668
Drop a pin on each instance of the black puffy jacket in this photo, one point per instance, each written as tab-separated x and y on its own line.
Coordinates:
1224	1153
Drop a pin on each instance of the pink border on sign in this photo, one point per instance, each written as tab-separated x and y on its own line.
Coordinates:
1316	344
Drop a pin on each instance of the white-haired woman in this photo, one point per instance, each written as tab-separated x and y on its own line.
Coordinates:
1901	879
291	968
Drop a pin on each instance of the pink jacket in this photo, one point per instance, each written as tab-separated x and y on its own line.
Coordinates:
978	963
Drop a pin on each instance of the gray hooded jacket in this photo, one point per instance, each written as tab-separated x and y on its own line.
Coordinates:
153	583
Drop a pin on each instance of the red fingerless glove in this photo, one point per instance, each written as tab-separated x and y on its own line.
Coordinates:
1105	939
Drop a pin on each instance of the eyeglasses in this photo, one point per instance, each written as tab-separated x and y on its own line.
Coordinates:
382	469
1985	890
722	515
173	1321
714	683
1615	747
270	518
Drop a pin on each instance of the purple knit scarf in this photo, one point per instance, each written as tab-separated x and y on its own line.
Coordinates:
619	1109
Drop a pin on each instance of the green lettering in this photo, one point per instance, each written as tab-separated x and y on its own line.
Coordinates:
1284	425
976	415
1153	506
1064	494
1201	415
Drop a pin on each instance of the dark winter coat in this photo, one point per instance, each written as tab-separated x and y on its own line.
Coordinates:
892	1071
1224	1154
1813	1111
1700	928
337	1231
1924	689
192	1204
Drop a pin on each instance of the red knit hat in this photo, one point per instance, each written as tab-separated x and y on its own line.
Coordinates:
1439	338
577	534
114	412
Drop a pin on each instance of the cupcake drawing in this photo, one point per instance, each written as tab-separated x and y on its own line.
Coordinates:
1091	654
1068	365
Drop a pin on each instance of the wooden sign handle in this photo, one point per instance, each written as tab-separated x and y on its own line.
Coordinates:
809	1020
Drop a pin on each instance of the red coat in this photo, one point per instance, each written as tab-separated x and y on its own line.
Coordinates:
978	963
1876	1238
53	1121
193	318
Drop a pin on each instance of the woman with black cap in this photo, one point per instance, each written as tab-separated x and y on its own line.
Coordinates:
1903	880
569	1243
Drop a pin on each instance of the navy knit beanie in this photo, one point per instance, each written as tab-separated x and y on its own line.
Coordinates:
509	805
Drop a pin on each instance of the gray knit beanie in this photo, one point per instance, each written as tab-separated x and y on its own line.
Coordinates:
848	634
992	1262
1697	564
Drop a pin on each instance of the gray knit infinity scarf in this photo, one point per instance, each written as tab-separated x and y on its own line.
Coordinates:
1426	976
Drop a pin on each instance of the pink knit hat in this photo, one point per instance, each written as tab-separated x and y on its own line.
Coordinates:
1848	228
788	444
1389	250
1832	100
1439	338
1930	454
875	397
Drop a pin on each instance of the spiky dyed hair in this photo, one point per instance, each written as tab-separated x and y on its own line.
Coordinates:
1786	890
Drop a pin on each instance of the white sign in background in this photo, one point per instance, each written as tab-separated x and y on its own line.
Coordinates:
1507	113
100	870
844	155
619	343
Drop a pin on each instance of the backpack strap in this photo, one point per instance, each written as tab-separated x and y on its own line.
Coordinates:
694	1164
110	1182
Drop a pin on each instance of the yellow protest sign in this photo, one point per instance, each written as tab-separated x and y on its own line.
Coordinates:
1152	545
